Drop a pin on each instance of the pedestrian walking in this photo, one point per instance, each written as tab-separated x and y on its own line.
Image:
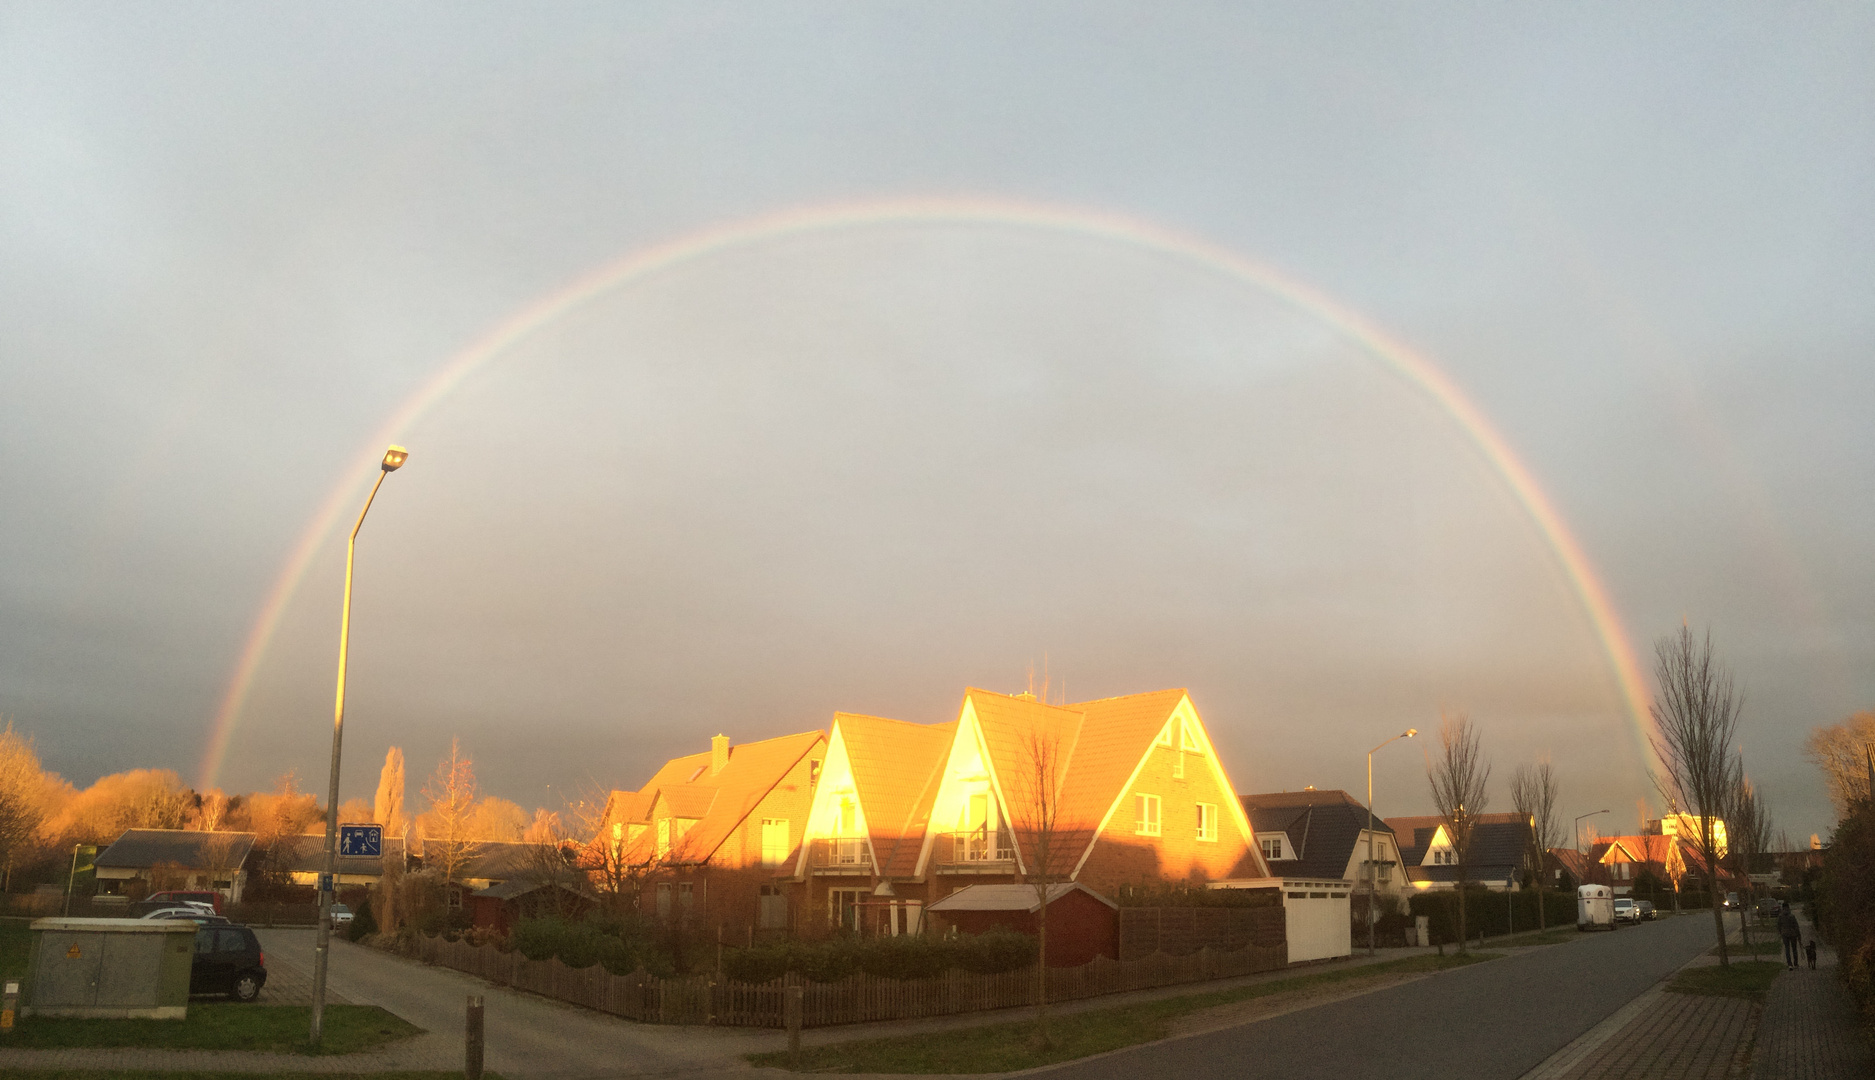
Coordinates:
1787	927
1809	952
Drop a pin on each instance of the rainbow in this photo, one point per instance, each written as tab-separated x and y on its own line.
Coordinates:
1410	365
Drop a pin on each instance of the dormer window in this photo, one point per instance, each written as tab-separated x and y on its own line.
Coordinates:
1272	848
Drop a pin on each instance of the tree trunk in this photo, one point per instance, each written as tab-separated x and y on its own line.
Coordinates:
1718	917
1041	978
1461	911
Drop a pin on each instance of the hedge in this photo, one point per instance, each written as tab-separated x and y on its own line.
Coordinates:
1488	912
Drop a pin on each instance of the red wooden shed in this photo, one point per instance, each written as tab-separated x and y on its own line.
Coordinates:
1082	924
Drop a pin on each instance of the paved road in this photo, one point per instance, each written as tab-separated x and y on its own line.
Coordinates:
527	1036
1493	1021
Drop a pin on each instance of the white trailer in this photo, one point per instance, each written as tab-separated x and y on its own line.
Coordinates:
1595	908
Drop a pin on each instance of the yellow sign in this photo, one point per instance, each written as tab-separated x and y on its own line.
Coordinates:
72	953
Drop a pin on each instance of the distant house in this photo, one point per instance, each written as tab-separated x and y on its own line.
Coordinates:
1500	851
717	833
1325	834
142	861
907	814
303	858
1620	861
500	907
1082	924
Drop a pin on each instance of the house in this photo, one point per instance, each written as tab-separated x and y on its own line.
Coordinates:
1317	844
715	834
303	858
1082	924
1620	861
500	907
906	814
1326	834
142	861
1500	851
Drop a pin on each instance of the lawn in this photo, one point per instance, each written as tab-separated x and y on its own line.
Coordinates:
1010	1046
1745	978
223	1026
1773	947
142	1074
16	942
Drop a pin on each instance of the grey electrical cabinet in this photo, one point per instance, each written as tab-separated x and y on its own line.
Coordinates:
111	968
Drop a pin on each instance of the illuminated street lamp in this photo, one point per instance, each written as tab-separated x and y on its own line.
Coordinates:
1373	868
322	943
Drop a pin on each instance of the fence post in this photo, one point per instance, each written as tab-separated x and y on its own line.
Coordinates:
791	1010
472	1039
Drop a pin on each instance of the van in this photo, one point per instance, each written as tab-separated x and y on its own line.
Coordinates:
1595	908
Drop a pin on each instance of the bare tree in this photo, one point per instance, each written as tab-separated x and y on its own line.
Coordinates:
1844	752
388	808
1696	714
1748	834
1457	778
22	789
1534	791
611	854
211	811
447	842
1036	814
552	860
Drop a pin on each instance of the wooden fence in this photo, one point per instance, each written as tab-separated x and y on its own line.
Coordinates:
1177	931
704	999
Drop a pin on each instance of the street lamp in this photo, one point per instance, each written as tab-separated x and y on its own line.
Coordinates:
322	942
1590	814
1373	868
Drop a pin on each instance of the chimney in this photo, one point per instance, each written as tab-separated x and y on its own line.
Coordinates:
719	753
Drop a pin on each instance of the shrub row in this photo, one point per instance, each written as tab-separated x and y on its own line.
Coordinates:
1490	913
909	957
622	949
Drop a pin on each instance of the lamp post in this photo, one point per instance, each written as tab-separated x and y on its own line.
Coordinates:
1373	868
1590	814
322	942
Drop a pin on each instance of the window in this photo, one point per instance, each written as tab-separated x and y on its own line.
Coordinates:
664	899
1207	821
775	845
1384	873
772	909
1178	766
1146	815
1165	735
813	773
843	907
664	837
684	897
1188	737
846	816
1272	847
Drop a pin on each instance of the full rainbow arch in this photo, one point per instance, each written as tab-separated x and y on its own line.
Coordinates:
1412	366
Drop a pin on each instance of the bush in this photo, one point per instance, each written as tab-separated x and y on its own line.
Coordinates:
363	922
583	943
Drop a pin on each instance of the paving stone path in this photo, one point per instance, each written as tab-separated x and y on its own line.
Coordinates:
1810	1029
1682	1037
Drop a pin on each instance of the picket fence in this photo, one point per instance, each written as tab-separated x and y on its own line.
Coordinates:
705	999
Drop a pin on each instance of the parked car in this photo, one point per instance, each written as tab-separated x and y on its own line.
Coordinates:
171	897
341	915
1732	902
228	960
1765	908
192	913
1627	910
1647	909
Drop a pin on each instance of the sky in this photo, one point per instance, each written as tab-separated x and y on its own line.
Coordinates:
861	459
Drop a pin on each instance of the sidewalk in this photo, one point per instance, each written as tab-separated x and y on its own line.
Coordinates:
1806	1029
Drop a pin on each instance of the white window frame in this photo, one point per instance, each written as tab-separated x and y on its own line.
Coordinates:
1148	815
775	853
1188	739
1165	735
1269	842
1207	822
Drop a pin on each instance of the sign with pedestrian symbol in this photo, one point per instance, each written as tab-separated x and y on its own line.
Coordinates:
365	841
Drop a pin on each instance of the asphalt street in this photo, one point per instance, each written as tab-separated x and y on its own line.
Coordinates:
1491	1021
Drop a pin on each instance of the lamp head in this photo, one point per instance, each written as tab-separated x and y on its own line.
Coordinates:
394	458
1412	731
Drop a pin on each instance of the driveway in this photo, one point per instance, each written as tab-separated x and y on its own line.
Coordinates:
526	1036
1493	1021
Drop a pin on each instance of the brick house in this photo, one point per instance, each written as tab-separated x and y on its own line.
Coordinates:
908	813
717	832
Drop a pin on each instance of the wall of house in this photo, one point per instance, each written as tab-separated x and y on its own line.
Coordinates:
1182	779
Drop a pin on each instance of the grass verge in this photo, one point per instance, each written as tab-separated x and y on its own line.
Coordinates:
349	1029
1745	979
1011	1046
1758	948
142	1074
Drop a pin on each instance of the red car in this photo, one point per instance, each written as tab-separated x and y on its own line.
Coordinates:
196	896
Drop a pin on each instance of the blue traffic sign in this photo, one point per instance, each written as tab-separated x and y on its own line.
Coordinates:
366	841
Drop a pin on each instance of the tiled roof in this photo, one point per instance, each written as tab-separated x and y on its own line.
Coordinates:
720	801
1097	745
1500	845
1010	897
1323	827
140	849
896	769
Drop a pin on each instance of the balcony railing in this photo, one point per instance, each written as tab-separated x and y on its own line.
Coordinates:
980	849
842	853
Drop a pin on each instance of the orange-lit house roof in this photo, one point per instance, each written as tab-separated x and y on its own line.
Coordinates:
718	801
896	767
